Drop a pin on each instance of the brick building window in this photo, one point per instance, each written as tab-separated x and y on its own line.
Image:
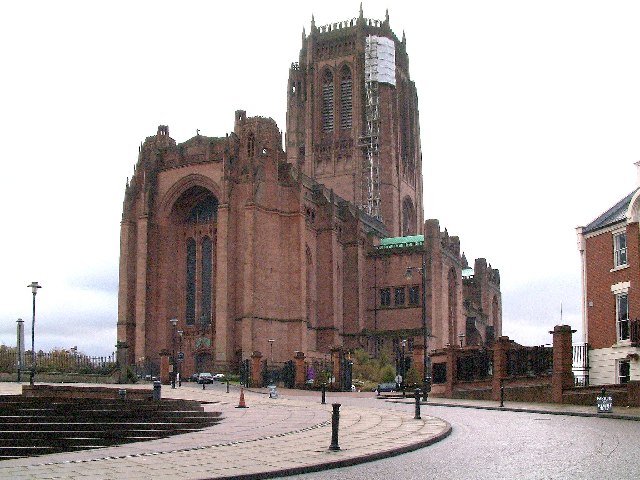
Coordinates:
399	295
622	316
624	371
414	295
620	249
385	297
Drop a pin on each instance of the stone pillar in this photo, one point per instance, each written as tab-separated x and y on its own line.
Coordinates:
121	359
562	377
418	361
300	373
165	373
451	360
500	348
337	371
256	370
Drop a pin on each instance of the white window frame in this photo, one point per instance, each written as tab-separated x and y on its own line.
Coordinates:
619	364
619	252
619	317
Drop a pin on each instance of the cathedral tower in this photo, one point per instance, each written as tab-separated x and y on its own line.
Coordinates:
352	120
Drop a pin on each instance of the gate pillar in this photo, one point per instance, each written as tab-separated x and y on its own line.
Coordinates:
336	364
256	373
300	373
562	376
500	348
418	360
165	374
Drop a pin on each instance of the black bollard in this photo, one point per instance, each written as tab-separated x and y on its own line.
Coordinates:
324	391
501	396
335	421
227	385
156	390
417	417
203	386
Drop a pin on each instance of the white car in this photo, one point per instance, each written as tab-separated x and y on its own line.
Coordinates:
219	377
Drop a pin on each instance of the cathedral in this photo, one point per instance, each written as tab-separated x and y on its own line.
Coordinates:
299	246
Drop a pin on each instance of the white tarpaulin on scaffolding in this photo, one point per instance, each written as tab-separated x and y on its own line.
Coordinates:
380	60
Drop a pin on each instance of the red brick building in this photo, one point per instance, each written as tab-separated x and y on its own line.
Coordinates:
609	249
253	248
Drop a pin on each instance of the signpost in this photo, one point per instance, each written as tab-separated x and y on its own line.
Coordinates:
604	402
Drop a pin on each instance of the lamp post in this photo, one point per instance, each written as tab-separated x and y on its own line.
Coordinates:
403	364
271	340
174	322
180	357
34	289
426	361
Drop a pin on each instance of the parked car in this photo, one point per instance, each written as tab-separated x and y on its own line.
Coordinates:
194	377
219	377
205	378
386	387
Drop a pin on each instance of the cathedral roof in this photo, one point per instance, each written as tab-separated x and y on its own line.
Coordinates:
615	214
398	242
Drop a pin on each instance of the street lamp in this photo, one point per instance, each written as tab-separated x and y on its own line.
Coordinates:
271	340
180	358
426	361
403	364
174	322
34	289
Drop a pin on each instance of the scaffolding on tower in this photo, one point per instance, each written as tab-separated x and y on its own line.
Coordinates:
379	67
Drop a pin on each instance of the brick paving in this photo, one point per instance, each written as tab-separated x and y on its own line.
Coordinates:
273	437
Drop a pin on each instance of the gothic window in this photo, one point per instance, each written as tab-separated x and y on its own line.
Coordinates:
408	217
251	146
327	101
346	98
399	296
385	297
414	295
205	211
207	277
191	282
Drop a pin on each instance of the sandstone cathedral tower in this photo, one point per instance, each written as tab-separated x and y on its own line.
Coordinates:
243	247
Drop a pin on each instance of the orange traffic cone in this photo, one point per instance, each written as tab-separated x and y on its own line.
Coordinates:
242	404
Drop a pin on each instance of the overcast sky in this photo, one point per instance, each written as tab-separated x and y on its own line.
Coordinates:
529	111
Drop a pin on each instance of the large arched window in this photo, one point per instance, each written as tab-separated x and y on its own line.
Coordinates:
205	211
191	282
207	277
327	101
346	98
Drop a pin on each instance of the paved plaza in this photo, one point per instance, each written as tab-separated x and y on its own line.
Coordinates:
272	437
